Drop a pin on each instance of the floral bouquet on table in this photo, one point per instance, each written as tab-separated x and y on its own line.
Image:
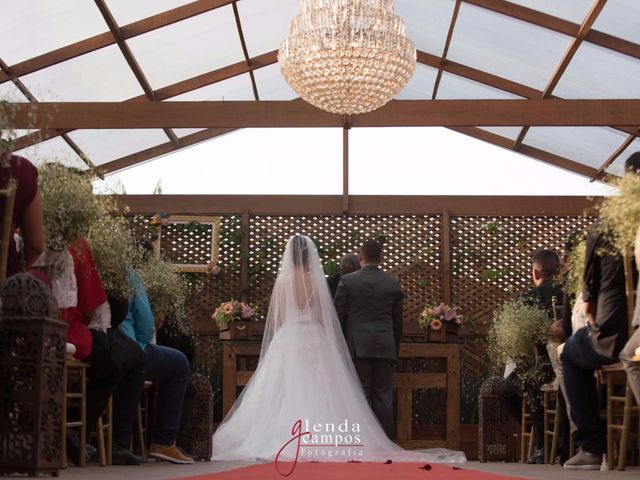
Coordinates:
232	311
433	317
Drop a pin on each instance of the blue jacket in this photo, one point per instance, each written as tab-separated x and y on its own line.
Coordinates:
139	323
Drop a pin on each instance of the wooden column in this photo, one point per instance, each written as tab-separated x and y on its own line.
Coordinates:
345	166
244	257
445	266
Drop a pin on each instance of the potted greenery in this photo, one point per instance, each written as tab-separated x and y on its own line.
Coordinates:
234	320
441	323
518	329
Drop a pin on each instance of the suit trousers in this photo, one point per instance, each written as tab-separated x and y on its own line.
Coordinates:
376	376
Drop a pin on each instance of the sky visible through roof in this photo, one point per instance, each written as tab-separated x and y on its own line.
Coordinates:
388	161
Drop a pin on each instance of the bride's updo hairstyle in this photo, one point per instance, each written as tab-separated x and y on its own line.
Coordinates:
300	251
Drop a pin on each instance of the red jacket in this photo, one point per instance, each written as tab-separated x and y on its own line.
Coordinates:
91	295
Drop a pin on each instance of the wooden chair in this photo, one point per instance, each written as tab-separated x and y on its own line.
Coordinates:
615	377
551	422
75	376
142	420
9	192
105	425
526	431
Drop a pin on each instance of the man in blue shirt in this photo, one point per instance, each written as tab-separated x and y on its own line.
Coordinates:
166	367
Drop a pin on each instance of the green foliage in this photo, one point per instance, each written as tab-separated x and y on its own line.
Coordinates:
167	291
516	331
620	214
115	251
69	205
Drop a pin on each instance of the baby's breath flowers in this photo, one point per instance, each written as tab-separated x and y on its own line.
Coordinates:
115	251
575	267
167	292
68	204
620	214
516	331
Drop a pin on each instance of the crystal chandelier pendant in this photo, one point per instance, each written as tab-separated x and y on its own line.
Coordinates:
347	56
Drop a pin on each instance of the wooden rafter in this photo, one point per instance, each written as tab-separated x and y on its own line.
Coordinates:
131	60
445	51
527	150
105	39
236	15
170	91
575	43
492	80
163	149
612	158
33	100
360	204
115	115
559	25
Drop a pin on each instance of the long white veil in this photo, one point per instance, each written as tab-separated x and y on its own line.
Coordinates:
305	372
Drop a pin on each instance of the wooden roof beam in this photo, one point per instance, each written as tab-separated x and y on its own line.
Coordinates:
445	51
171	91
258	114
236	15
105	39
559	25
591	17
131	60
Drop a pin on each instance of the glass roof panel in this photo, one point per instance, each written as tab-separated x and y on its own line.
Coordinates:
506	47
188	48
33	27
54	150
617	167
596	72
183	132
102	146
266	24
10	93
100	76
573	10
588	145
508	132
427	22
272	85
620	18
420	87
126	11
234	88
454	86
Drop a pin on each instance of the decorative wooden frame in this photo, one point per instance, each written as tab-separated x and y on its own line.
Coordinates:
215	240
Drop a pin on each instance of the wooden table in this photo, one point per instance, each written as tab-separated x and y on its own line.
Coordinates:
236	373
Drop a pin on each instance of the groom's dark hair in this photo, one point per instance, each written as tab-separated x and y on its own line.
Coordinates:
371	251
632	164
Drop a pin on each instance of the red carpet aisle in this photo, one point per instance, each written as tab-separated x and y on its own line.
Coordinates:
352	471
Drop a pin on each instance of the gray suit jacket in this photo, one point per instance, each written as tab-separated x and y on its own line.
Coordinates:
369	306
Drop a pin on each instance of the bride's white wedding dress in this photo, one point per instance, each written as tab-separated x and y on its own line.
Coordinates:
305	374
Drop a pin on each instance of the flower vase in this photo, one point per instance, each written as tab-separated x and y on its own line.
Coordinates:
447	333
236	330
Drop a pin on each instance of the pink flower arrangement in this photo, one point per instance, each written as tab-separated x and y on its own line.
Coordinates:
232	310
432	317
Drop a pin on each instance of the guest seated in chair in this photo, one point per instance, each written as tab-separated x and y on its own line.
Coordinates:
632	347
166	367
545	266
116	363
597	344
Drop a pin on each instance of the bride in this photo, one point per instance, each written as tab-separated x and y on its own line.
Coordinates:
305	401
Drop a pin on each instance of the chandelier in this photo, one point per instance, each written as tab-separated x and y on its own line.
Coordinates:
347	56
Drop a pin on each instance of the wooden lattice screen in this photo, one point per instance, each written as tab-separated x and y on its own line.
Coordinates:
489	257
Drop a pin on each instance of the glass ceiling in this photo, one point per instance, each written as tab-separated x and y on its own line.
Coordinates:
173	41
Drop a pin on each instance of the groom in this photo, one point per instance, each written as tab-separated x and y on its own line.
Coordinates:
369	306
